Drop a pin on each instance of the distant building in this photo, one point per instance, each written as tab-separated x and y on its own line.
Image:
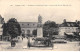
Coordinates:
68	27
28	28
1	23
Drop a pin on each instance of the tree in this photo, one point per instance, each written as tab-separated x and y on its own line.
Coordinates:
50	28
50	24
13	28
5	29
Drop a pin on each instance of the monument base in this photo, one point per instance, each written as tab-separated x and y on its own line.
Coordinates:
39	32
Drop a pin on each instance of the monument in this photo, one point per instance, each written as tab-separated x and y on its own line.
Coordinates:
39	29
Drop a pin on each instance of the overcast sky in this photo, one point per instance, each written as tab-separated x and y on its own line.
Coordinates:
25	13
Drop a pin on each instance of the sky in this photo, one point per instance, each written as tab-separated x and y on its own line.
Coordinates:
28	10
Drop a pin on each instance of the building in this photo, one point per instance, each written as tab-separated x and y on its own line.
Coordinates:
68	28
28	28
1	23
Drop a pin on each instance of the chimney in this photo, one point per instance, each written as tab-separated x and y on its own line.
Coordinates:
64	21
76	21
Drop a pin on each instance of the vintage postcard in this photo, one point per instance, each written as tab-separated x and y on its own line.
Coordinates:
40	25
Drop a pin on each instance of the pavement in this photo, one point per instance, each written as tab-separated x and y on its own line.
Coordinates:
22	46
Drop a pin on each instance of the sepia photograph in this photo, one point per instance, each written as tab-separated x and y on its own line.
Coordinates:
39	25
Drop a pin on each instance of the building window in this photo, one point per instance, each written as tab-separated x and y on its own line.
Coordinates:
33	24
28	31
23	31
28	24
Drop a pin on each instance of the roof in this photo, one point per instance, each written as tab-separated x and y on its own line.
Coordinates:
69	24
28	24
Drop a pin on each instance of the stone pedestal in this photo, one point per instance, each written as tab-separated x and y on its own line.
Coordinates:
40	32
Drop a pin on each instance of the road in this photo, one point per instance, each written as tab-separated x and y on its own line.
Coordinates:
22	45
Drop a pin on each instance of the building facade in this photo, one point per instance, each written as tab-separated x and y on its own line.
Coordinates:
28	28
68	28
1	23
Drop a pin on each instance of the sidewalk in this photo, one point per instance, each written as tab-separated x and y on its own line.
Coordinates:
4	45
22	46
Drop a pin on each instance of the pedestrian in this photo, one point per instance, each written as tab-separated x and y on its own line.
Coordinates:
52	44
25	43
13	43
28	42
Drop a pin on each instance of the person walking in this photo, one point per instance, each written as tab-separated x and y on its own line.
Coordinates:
25	43
13	43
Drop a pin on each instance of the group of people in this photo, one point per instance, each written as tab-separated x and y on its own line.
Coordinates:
24	42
